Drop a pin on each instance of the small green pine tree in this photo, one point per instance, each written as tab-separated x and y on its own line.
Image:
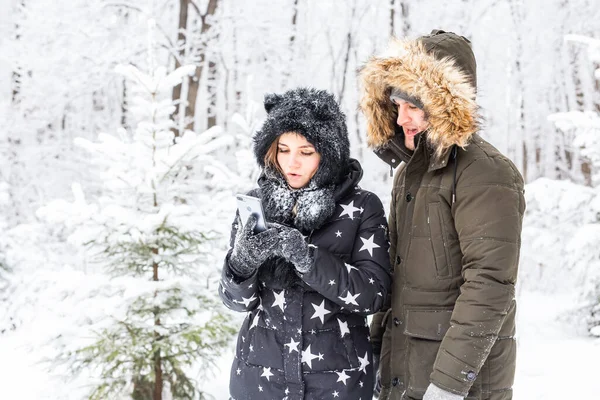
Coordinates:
156	224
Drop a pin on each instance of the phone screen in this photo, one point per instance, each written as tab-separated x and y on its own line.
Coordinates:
248	205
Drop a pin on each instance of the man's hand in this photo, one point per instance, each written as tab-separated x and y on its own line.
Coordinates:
435	393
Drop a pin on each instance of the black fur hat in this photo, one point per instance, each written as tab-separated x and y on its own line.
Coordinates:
315	115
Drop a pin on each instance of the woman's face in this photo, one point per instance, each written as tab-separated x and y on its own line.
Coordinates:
297	158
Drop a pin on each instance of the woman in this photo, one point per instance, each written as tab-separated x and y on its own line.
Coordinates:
308	281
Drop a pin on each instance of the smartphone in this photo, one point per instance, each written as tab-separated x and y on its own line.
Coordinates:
247	206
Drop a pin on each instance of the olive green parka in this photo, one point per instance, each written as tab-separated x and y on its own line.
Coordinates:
455	226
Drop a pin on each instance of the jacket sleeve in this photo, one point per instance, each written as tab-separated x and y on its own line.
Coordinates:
237	295
488	215
378	322
363	285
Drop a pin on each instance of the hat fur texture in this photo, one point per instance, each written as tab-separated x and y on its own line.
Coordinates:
315	115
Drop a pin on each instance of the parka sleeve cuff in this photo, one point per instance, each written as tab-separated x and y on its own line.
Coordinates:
236	294
452	374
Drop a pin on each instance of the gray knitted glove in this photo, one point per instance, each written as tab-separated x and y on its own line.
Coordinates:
435	393
293	247
251	250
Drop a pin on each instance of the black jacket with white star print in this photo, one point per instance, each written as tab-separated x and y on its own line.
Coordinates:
310	340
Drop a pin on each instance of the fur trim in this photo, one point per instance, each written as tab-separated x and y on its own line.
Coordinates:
445	91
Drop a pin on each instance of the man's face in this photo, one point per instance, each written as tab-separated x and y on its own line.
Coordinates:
412	120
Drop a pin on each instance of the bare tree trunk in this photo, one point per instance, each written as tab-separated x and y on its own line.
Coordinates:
347	56
158	373
16	85
517	15
406	28
392	16
286	75
294	24
124	105
17	73
180	51
211	91
194	83
236	73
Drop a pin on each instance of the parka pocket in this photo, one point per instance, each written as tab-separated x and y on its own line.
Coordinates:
427	324
425	330
438	234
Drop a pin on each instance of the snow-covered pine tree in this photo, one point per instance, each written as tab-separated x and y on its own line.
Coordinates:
582	253
157	225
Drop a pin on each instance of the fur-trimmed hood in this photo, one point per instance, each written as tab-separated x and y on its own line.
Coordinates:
439	70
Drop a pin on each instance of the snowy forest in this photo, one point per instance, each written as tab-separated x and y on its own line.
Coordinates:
126	129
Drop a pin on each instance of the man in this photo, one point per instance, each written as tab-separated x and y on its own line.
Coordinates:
455	226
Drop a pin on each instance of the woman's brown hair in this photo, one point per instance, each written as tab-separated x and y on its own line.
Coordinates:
271	156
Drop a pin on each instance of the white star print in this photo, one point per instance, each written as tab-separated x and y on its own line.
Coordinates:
279	299
246	301
364	361
350	268
343	327
371	281
331	282
238	371
293	345
342	377
307	357
338	234
335	394
361	383
267	373
260	388
320	311
321	357
255	321
287	391
251	348
349	209
350	298
369	245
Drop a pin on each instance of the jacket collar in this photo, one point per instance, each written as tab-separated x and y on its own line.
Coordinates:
394	152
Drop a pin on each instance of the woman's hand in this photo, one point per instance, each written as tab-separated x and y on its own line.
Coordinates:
250	250
293	247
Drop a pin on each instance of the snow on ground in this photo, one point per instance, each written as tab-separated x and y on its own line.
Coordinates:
555	361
